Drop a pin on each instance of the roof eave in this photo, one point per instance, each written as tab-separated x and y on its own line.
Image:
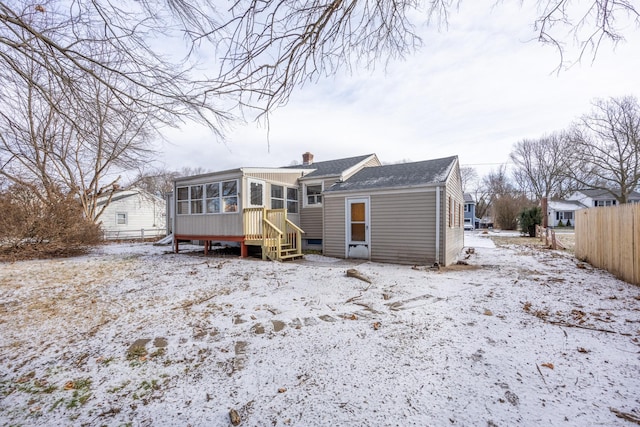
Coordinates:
398	188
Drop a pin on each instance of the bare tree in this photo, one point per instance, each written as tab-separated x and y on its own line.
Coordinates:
541	165
267	47
469	177
158	181
54	144
505	201
606	143
276	45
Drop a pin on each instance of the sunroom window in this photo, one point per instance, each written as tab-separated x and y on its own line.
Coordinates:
292	200
230	196
277	197
211	198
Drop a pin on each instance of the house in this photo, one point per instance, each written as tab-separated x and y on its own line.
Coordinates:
398	211
409	213
596	197
470	220
132	214
562	212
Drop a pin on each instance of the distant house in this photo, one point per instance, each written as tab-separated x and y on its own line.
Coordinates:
406	213
563	211
593	198
132	213
470	220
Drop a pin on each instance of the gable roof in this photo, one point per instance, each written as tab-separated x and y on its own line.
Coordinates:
565	205
330	167
598	194
468	198
399	175
126	193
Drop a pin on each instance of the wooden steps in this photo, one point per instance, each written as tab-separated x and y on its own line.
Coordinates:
279	238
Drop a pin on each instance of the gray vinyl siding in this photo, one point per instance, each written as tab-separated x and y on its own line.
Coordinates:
333	241
403	228
372	162
222	224
369	163
311	223
454	237
209	225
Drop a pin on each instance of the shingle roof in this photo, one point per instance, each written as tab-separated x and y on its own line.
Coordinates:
565	205
398	175
330	167
597	193
468	198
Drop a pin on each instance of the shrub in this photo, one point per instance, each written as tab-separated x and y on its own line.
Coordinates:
560	223
529	218
568	224
34	228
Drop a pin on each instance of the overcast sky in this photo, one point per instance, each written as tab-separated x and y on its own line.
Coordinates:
472	90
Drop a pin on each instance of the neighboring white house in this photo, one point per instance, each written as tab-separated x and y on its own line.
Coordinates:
563	211
594	198
133	214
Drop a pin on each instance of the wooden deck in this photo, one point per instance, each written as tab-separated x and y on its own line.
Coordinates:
279	238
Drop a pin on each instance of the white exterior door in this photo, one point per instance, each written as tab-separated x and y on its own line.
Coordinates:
357	228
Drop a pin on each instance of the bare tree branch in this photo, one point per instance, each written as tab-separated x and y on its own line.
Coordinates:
606	142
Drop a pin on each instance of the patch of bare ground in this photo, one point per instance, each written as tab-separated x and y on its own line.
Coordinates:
566	240
505	241
461	266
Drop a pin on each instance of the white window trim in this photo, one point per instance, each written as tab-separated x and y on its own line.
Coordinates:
187	200
204	198
126	218
305	200
264	190
191	199
282	199
237	196
287	199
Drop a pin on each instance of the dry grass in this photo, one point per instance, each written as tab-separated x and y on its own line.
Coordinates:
504	241
566	239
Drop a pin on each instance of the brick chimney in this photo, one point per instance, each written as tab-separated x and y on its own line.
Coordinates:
307	158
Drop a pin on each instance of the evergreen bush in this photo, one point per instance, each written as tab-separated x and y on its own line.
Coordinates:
529	218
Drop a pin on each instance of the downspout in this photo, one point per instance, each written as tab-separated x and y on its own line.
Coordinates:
438	224
174	202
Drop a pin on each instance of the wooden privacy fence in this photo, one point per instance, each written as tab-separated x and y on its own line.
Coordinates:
609	238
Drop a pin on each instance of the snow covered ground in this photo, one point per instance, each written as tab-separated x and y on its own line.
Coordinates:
132	335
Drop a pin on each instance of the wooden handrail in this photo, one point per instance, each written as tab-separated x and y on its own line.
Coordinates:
279	236
273	226
295	227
